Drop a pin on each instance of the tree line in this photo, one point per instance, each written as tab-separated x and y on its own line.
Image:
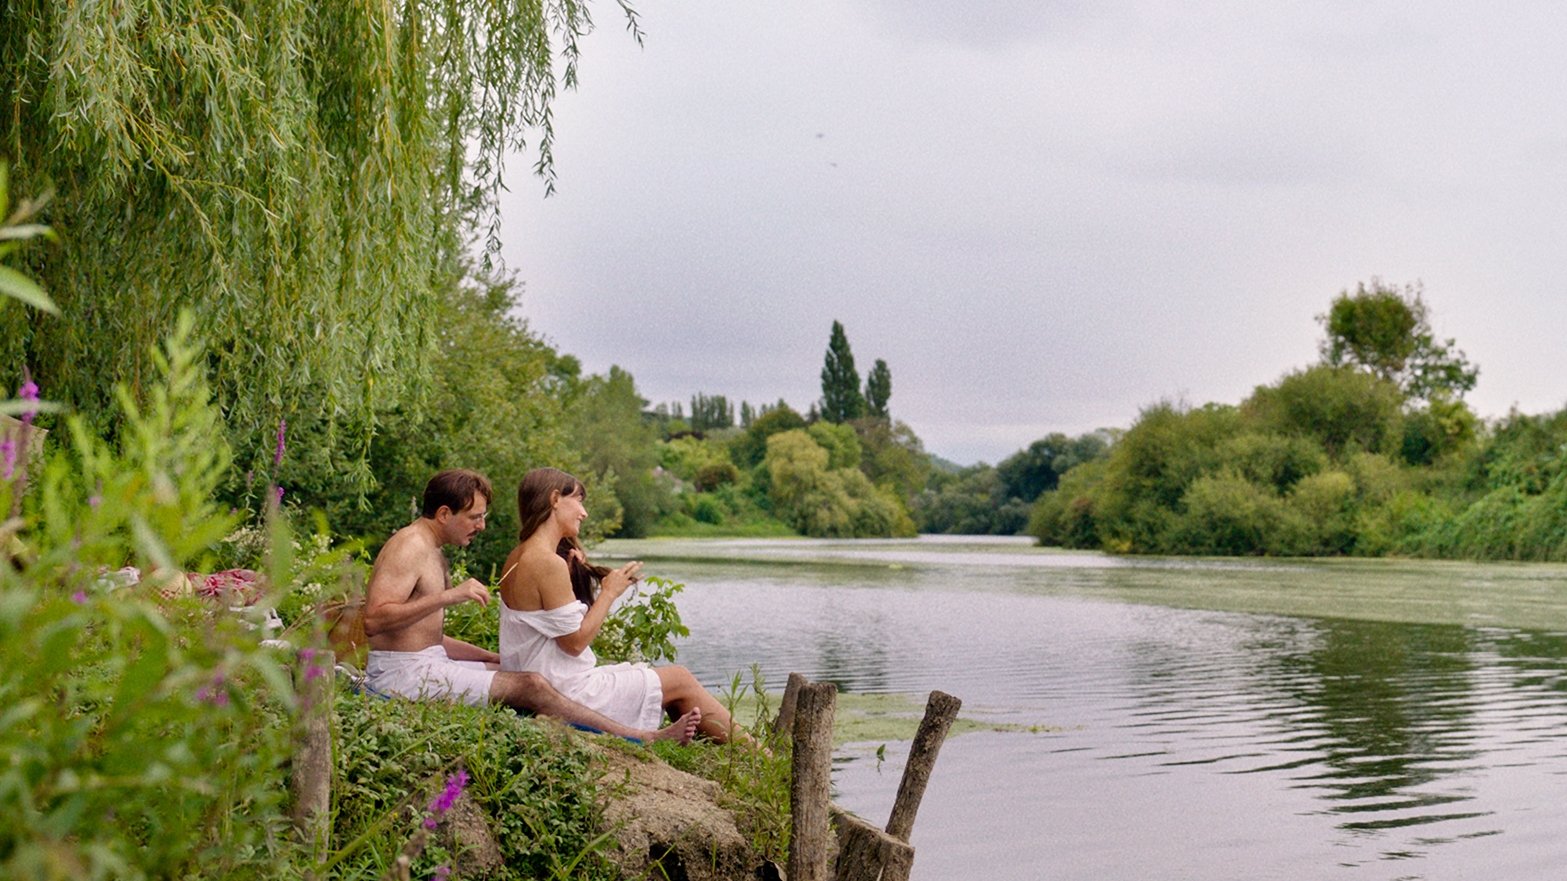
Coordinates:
1371	451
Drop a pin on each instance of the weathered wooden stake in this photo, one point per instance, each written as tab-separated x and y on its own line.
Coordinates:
940	710
310	775
784	724
811	783
866	853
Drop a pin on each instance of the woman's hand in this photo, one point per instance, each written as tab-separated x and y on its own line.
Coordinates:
617	581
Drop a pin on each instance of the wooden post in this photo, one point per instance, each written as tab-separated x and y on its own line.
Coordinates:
784	724
940	710
310	774
866	853
811	782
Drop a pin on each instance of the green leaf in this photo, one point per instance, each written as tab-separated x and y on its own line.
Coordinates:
18	286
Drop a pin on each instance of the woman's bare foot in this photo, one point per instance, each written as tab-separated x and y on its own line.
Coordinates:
681	730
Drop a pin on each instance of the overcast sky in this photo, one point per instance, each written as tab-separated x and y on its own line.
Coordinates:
1047	215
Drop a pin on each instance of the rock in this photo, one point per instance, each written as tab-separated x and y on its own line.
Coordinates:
467	834
669	824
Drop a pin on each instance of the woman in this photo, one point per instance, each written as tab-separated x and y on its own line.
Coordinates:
550	615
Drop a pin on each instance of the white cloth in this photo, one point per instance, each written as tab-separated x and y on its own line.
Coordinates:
628	693
429	674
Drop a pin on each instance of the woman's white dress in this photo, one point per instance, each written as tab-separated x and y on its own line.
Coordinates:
628	693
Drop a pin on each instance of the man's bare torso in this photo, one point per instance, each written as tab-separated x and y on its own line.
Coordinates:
410	557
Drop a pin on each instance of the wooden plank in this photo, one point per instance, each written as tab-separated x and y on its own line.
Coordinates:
811	782
940	710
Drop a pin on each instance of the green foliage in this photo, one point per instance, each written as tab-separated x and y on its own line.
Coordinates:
145	736
1441	428
711	412
1340	408
284	169
840	441
535	782
1065	516
971	502
750	448
841	397
15	229
893	457
818	500
1029	472
1273	460
497	409
605	418
1227	514
878	390
643	627
1388	332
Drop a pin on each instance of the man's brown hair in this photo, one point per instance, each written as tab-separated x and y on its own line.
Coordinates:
455	489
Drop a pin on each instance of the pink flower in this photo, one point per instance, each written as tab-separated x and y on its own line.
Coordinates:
282	429
79	598
7	458
442	872
28	392
455	785
213	692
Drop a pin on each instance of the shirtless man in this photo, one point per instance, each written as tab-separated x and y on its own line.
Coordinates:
405	610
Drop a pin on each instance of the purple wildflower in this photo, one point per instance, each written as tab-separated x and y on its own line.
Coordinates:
278	498
28	392
8	457
455	784
213	692
282	430
442	872
312	669
79	598
94	500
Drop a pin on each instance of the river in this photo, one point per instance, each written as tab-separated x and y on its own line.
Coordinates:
1172	719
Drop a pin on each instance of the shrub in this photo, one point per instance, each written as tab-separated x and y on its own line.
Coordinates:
1342	408
1228	514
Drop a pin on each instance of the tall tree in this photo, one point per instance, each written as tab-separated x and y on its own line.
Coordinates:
1388	332
878	390
841	397
305	175
709	412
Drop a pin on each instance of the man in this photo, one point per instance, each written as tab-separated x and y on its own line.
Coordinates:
404	618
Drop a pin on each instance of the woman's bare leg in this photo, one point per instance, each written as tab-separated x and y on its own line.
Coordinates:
682	694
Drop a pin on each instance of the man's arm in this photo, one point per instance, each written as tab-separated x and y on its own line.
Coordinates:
392	582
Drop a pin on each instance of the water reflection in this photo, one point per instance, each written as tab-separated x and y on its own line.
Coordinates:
1182	743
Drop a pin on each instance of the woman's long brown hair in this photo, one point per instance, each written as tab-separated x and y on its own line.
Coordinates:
534	509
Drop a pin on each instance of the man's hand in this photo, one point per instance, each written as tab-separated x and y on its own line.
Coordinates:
472	590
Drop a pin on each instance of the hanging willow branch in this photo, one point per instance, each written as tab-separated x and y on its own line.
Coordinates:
302	174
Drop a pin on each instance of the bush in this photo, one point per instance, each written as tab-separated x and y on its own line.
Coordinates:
1341	408
145	736
1228	514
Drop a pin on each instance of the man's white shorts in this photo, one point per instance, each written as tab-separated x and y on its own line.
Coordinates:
429	675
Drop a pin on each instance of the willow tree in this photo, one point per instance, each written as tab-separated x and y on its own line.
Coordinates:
303	174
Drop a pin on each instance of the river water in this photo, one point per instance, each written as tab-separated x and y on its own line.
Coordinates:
1156	724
